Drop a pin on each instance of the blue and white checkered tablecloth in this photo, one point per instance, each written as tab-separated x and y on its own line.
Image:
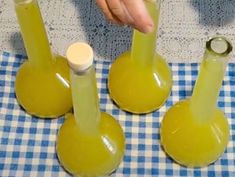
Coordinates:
27	144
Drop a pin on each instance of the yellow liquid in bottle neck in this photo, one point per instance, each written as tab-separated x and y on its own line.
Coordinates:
85	101
207	87
34	34
143	46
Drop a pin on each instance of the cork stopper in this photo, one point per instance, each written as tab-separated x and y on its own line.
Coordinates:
80	56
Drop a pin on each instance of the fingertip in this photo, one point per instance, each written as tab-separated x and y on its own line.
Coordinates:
148	29
145	23
143	28
142	20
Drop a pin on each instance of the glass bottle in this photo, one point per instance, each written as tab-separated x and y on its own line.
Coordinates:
90	142
140	81
42	82
195	131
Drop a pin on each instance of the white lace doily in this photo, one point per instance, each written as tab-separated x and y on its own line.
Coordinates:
185	26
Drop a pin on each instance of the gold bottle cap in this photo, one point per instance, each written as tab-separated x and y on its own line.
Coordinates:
80	56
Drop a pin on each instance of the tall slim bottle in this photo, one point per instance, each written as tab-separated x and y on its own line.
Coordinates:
90	142
42	82
140	80
195	131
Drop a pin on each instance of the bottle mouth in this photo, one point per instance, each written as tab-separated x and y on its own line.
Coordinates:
80	56
158	2
151	0
219	46
21	2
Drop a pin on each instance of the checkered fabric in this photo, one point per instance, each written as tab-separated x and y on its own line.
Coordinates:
27	144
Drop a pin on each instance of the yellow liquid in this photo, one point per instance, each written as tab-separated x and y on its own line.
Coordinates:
206	90
139	89
86	155
191	142
44	94
42	82
140	81
85	101
34	34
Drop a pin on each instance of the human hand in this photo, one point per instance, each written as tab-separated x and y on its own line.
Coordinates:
127	12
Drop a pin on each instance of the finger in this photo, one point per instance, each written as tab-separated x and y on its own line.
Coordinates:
130	19
119	10
140	15
105	9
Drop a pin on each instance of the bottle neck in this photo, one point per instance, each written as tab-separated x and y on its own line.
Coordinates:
143	45
33	33
206	91
85	101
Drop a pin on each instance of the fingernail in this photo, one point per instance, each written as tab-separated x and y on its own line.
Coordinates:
148	28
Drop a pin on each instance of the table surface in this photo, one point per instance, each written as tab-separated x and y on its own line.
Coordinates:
27	144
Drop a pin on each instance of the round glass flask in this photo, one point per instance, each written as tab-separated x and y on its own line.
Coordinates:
140	80
42	82
90	142
195	132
